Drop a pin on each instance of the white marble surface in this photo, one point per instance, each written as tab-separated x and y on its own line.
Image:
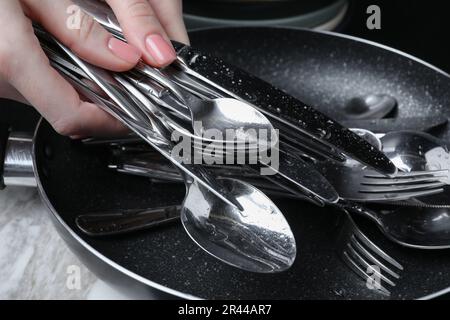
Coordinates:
35	262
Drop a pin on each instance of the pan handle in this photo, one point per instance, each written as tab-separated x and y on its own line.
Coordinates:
4	134
16	153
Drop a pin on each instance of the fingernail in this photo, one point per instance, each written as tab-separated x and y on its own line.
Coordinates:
160	49
124	51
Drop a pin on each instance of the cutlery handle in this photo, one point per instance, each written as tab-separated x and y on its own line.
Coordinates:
4	134
121	222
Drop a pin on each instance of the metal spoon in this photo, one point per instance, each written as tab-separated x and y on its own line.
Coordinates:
160	97
369	136
256	239
416	151
422	223
220	117
420	227
372	106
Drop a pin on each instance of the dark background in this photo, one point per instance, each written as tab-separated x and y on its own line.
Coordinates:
418	27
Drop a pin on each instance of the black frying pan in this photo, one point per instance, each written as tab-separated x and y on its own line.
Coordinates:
321	69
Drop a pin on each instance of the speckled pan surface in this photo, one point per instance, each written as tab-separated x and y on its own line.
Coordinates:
324	71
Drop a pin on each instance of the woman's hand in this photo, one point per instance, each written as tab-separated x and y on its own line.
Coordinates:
26	74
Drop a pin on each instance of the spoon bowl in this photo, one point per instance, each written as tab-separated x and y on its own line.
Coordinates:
232	120
369	136
417	227
372	106
257	238
416	151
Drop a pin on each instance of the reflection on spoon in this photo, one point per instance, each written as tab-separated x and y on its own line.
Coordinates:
372	106
256	239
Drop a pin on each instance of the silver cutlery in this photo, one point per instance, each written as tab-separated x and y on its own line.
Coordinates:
369	136
416	151
206	71
260	239
124	110
112	223
371	106
275	254
378	269
414	224
427	226
245	143
276	104
150	166
222	114
418	226
256	239
206	114
292	173
353	184
364	185
422	222
220	227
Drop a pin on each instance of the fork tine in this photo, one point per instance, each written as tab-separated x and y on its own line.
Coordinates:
402	188
374	248
360	272
360	254
367	265
407	175
399	196
393	182
366	253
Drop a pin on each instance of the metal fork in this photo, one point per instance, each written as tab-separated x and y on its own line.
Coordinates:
360	184
374	181
366	259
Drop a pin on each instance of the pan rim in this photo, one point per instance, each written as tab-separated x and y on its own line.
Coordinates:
338	35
